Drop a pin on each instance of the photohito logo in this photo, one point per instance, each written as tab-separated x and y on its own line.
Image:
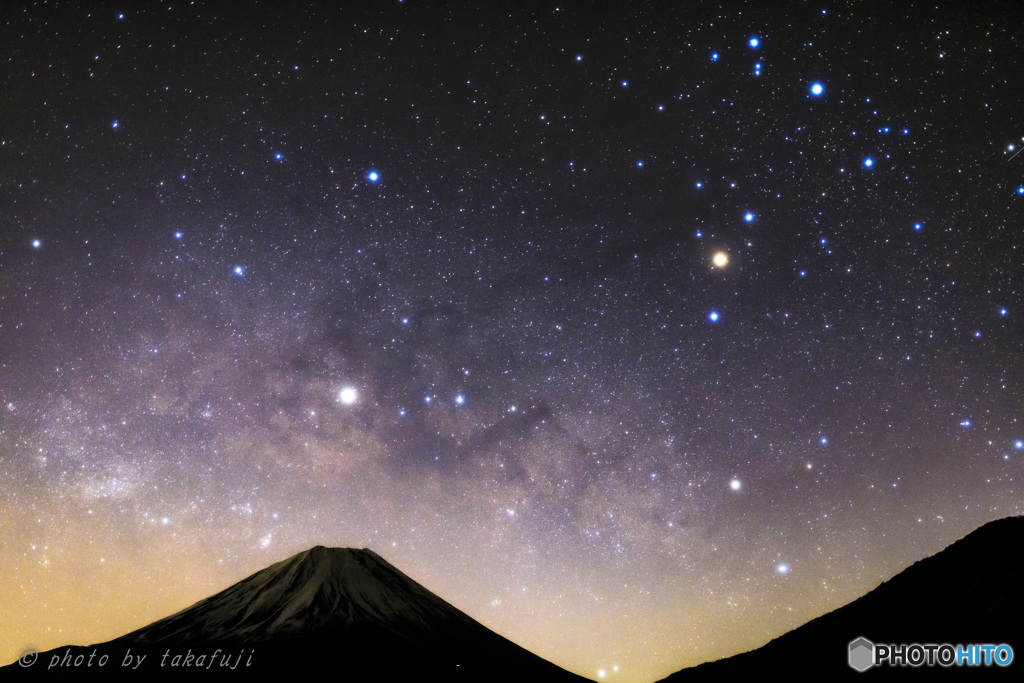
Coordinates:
863	654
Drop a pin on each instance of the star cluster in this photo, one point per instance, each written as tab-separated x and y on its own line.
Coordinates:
642	335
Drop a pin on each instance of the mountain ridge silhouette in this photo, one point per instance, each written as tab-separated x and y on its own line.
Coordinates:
968	593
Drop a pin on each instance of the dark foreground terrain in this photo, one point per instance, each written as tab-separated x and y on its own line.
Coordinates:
970	593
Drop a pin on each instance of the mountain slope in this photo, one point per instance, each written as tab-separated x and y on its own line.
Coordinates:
970	593
345	609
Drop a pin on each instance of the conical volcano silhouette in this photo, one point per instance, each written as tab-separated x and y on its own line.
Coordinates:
324	609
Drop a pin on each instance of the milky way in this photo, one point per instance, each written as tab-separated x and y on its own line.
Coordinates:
640	335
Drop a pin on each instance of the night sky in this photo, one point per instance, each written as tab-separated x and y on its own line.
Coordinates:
642	334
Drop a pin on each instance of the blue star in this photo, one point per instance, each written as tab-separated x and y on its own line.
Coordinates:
579	58
239	271
917	226
965	423
699	234
714	56
278	156
1018	445
868	162
639	164
1020	190
699	184
748	217
373	176
754	42
427	399
120	16
115	124
625	84
782	569
36	244
460	400
817	89
178	235
824	440
713	316
1003	311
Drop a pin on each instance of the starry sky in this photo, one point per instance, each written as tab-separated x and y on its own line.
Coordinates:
641	333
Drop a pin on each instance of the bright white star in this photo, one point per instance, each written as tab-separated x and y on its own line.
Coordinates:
348	395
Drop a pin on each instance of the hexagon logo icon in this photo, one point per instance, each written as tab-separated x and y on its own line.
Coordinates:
862	654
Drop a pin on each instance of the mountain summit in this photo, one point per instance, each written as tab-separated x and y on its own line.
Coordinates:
334	589
338	609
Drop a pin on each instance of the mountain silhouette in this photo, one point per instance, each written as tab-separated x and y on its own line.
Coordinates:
970	593
344	611
351	613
